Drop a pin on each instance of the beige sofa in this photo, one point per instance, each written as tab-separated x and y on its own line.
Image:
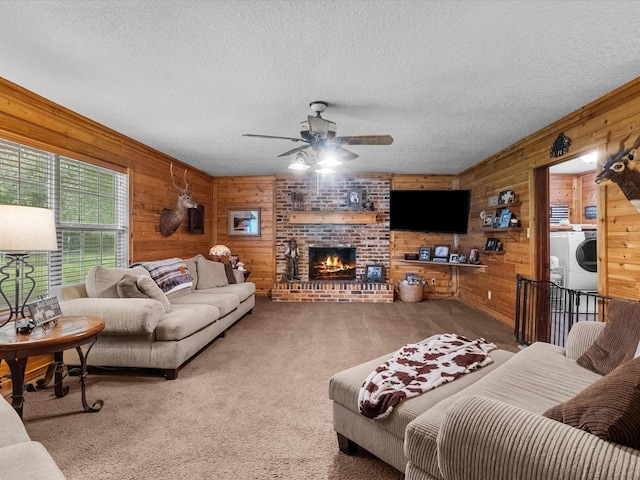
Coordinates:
21	457
162	332
489	424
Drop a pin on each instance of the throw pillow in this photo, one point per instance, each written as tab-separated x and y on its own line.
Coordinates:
127	288
211	274
618	341
101	281
231	278
152	290
608	408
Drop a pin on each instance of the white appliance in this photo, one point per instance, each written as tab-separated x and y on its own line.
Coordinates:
577	256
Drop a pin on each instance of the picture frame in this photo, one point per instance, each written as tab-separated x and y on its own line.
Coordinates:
374	274
354	199
492	244
425	254
462	258
506	197
243	223
441	253
45	310
473	258
496	221
412	278
453	258
505	218
489	216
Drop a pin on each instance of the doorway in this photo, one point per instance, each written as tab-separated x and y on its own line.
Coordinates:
573	207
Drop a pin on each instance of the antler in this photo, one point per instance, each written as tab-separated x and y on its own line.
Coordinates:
184	178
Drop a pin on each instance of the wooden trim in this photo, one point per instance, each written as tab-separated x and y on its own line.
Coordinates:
342	218
541	252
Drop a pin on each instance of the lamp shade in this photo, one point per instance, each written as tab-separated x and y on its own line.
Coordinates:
219	251
27	229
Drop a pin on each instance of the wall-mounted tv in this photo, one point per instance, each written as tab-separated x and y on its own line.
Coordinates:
432	211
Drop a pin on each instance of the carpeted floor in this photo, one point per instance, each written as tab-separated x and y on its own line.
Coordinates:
253	405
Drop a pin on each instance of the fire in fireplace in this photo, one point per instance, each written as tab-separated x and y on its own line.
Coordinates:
332	263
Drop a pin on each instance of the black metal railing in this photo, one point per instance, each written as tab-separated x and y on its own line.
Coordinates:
540	299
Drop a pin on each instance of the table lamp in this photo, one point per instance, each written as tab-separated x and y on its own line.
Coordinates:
219	251
22	230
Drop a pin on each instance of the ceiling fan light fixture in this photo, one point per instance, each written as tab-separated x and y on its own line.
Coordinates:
329	162
300	162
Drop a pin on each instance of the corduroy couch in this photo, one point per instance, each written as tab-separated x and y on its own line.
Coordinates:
21	457
162	332
491	424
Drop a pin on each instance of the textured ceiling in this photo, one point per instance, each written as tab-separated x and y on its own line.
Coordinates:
452	81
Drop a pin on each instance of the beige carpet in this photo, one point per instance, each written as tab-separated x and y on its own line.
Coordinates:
253	405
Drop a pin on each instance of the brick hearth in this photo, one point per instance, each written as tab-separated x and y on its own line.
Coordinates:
332	292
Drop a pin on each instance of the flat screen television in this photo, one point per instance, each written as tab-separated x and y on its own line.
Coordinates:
432	211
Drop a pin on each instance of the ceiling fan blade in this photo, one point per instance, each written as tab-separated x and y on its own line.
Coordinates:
364	140
273	136
295	150
340	152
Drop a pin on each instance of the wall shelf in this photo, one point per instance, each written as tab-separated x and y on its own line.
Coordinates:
429	263
338	218
505	229
493	252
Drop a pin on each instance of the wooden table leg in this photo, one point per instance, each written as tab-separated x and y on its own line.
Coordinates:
17	367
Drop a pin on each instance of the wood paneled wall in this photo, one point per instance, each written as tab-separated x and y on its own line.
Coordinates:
598	126
258	254
410	242
33	120
575	190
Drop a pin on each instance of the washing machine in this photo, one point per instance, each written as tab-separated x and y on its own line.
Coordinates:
577	255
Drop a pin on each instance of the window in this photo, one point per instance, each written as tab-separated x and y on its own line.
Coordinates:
90	205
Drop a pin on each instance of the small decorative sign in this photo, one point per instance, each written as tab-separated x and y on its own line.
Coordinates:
44	311
591	212
560	146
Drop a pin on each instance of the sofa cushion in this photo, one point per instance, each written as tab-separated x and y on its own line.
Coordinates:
243	290
535	379
211	274
102	282
225	302
618	341
148	287
28	460
608	408
185	320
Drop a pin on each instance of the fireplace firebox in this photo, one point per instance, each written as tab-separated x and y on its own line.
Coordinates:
332	263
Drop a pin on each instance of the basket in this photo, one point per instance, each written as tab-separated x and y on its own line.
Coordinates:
411	293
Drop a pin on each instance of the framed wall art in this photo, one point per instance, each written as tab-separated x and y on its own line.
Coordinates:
374	274
425	254
354	199
244	223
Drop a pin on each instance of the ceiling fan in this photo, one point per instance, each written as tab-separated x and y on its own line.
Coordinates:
320	135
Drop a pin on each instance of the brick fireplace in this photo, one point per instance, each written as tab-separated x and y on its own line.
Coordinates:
368	242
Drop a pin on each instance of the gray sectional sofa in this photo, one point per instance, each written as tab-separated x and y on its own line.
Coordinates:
489	424
148	328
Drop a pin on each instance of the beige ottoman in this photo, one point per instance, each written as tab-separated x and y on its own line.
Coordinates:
385	438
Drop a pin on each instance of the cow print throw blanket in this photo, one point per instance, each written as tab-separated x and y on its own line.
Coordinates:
419	367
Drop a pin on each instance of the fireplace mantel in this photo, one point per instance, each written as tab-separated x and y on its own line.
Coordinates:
344	218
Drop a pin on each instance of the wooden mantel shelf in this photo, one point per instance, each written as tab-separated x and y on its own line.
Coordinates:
345	217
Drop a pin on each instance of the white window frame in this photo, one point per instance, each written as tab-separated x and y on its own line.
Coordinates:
32	176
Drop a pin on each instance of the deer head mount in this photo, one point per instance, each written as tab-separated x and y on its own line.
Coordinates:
622	170
171	218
